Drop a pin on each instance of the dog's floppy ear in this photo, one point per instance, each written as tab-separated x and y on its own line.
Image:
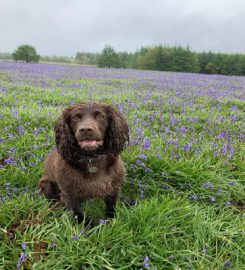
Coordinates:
65	139
117	133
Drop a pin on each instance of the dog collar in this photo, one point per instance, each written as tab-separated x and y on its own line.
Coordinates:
90	160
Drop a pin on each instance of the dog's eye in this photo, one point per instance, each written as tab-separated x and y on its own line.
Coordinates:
100	116
76	118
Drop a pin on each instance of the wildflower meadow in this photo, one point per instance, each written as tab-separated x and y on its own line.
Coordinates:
185	169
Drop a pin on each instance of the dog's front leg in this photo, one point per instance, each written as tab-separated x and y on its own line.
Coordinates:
73	204
110	202
49	189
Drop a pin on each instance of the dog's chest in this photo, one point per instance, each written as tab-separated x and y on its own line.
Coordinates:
97	186
81	183
91	185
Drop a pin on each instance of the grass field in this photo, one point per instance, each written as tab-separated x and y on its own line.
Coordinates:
185	167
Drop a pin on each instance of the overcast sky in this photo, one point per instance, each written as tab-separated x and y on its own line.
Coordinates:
63	27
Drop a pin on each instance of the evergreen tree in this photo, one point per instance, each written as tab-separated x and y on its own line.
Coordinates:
108	58
177	58
124	59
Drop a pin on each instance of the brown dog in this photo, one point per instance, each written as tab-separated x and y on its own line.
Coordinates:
86	164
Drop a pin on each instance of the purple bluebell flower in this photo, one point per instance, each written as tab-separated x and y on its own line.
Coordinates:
133	166
139	133
54	243
133	142
167	129
159	156
170	258
7	185
222	119
232	183
6	128
222	135
171	141
183	129
14	189
228	203
144	157
77	236
24	246
13	149
21	130
140	163
10	161
227	264
208	185
146	263
102	221
205	249
146	144
233	118
3	199
188	146
15	114
10	135
172	120
165	186
194	197
22	259
142	193
36	131
32	164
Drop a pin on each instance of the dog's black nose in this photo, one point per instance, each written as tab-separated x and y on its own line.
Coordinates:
86	129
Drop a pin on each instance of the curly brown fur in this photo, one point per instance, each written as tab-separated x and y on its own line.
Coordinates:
88	135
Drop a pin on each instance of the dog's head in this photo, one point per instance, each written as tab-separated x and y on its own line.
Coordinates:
90	128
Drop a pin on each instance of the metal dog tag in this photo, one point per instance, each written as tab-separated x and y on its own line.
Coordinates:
92	169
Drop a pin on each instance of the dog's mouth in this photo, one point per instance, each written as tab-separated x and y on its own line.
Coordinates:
90	144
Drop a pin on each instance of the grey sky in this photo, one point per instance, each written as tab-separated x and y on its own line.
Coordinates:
63	27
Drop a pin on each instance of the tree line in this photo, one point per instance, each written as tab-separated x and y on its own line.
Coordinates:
162	58
165	58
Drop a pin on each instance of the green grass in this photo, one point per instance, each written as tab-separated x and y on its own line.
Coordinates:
189	184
